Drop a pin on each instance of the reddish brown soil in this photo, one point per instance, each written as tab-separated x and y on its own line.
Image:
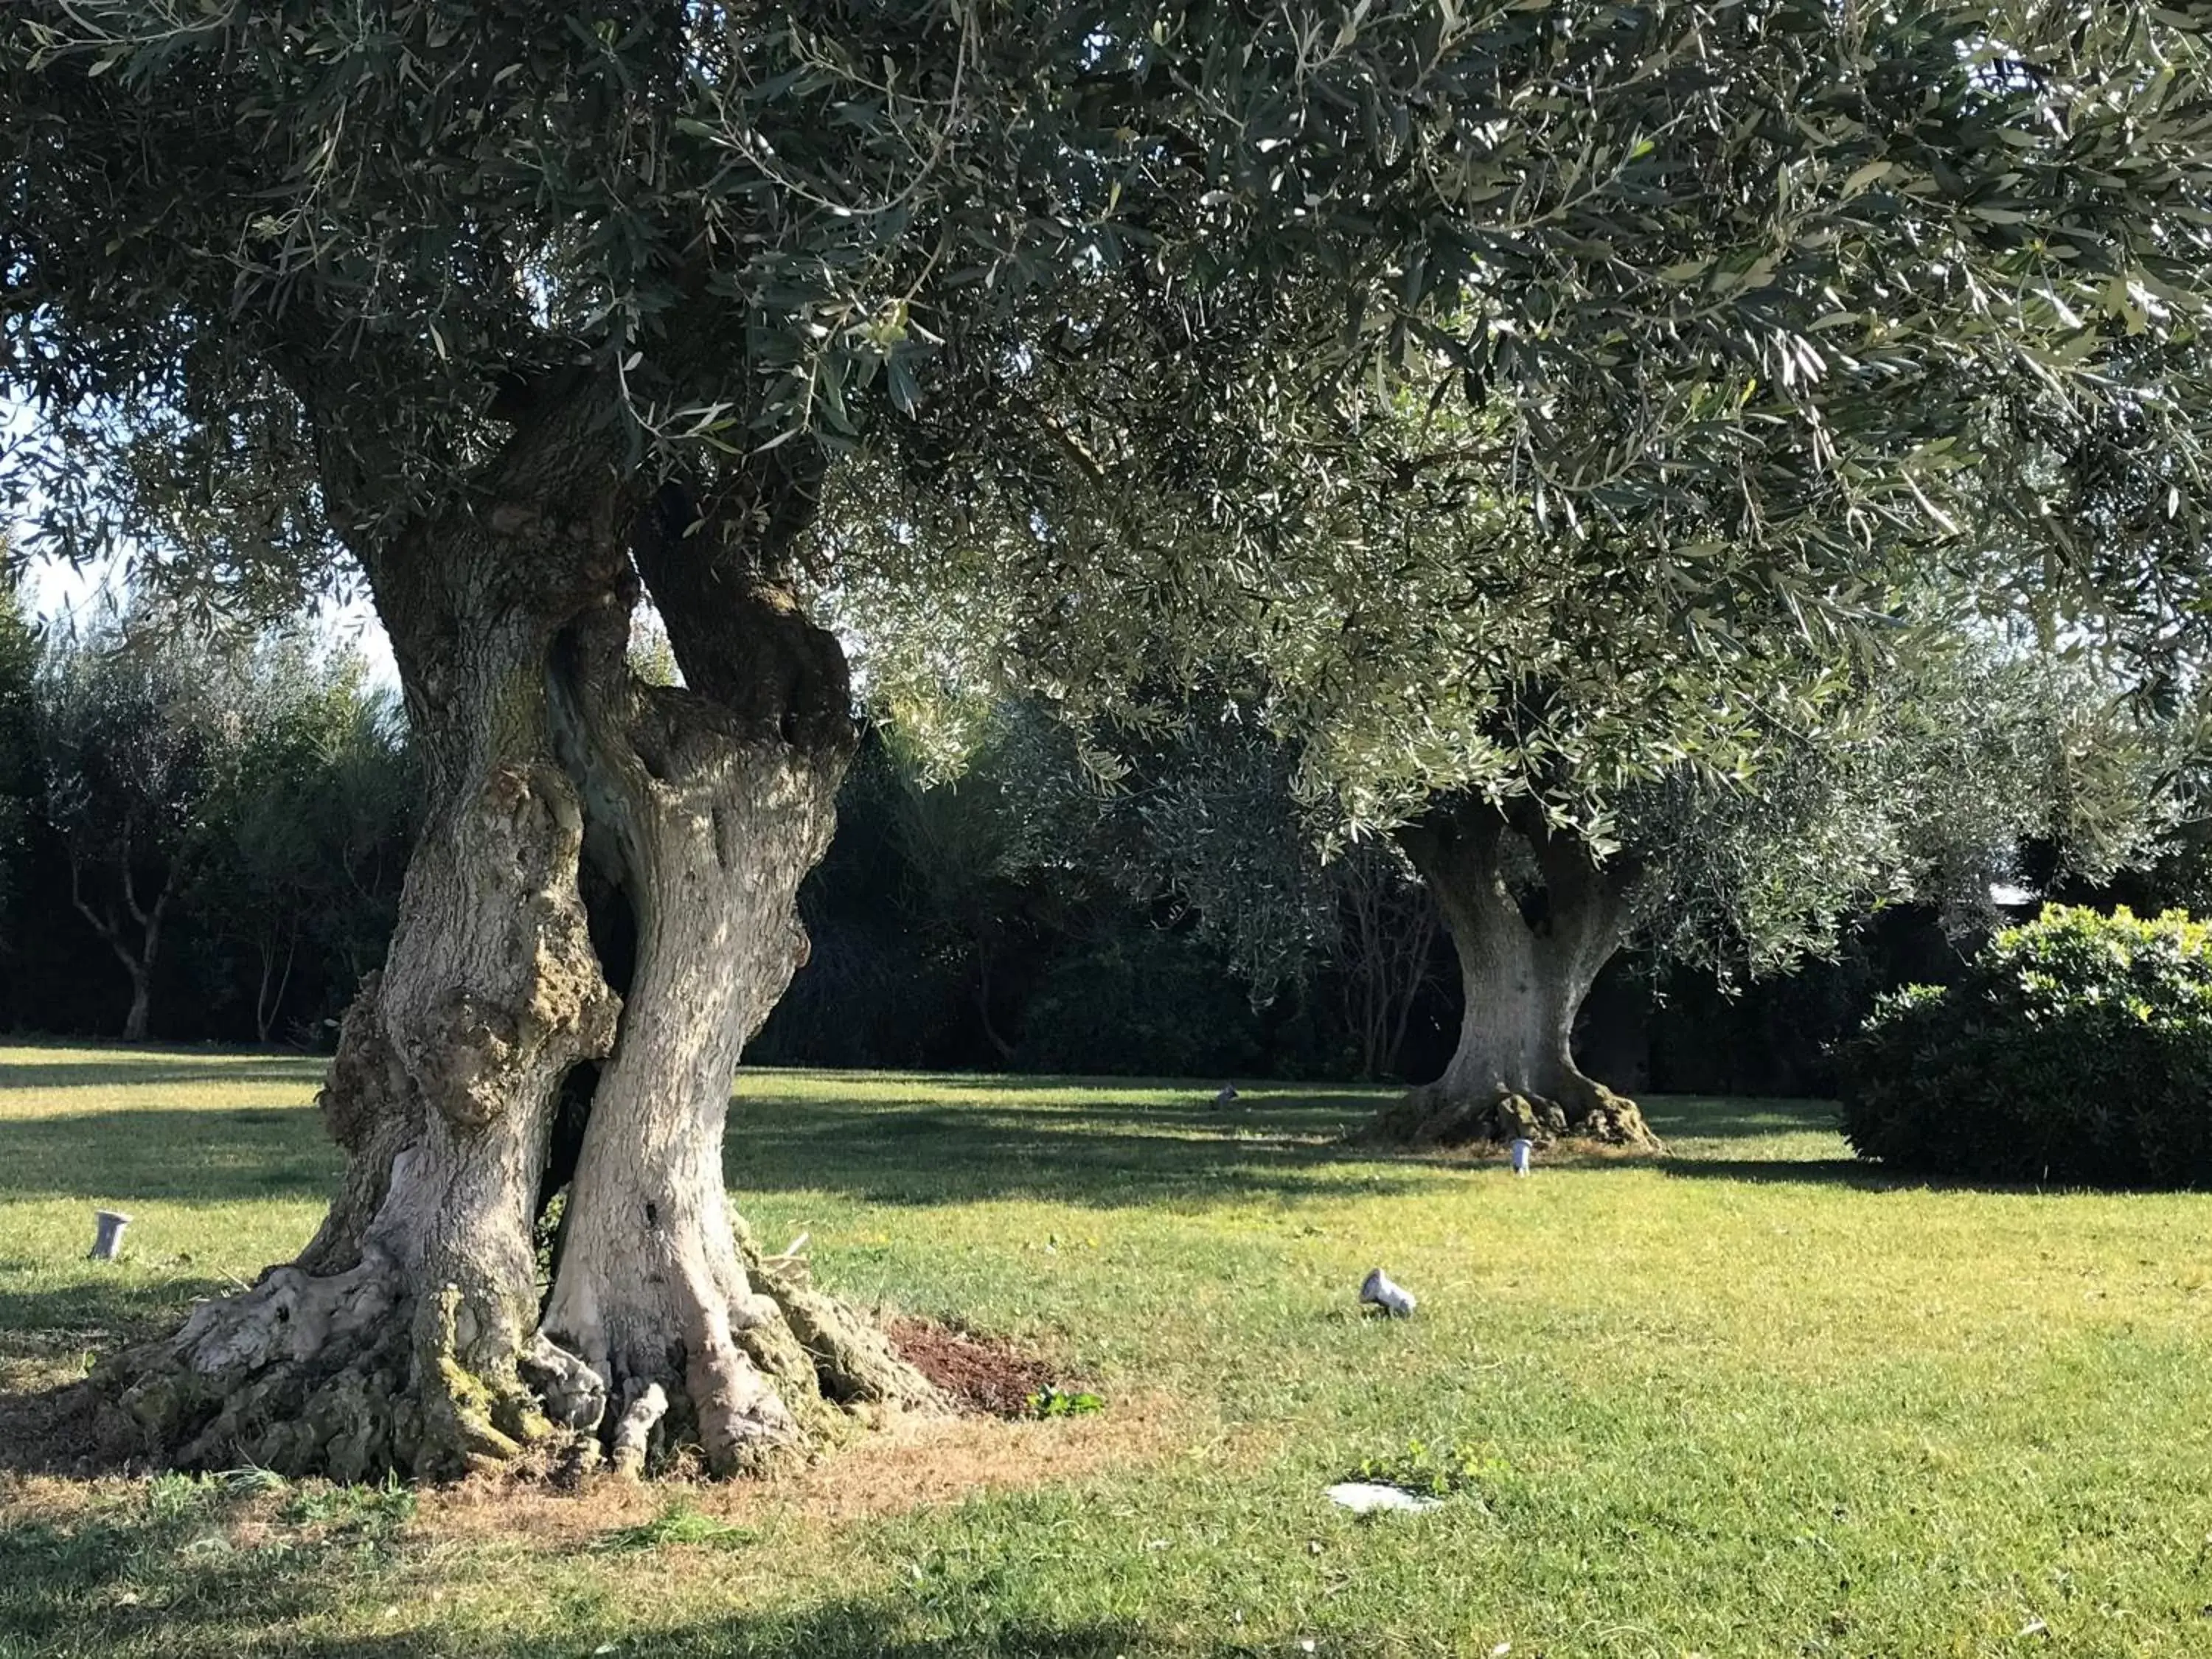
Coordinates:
983	1374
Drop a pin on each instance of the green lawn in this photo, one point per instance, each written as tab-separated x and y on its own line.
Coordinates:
1749	1400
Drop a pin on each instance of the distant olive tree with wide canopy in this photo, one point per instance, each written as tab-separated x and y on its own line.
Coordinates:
524	312
1717	705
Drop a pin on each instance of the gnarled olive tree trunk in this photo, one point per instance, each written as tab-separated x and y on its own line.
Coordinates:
412	1331
1525	973
710	802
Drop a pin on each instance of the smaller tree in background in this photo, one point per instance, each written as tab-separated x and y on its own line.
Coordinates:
228	812
133	751
1192	825
1582	715
310	824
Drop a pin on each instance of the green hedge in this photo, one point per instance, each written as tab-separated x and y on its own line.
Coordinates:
2077	1049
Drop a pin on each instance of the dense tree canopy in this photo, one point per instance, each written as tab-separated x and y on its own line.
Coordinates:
531	315
223	820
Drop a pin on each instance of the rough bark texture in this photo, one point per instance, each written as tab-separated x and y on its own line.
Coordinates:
393	1338
407	1333
1513	1074
716	799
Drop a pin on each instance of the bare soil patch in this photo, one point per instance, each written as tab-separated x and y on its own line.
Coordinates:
53	1430
986	1376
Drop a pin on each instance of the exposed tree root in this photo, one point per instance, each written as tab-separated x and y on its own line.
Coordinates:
339	1375
342	1375
1434	1116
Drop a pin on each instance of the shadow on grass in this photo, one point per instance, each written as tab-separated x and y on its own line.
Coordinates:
161	1572
133	1154
109	1307
1107	1153
170	1570
47	1338
166	1574
1720	1117
1789	1171
118	1067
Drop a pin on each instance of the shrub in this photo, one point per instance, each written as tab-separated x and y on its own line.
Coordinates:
2077	1048
1141	1001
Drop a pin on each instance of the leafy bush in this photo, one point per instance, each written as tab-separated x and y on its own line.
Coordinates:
2077	1048
1141	1001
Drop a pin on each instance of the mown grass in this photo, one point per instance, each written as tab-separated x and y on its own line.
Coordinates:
1749	1400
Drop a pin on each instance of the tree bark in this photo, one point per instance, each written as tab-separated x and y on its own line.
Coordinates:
716	799
141	1014
138	961
1513	1074
395	1338
409	1333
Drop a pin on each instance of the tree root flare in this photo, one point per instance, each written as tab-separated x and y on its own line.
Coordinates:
349	1375
1430	1117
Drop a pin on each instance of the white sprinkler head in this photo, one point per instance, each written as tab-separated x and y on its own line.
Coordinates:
107	1238
1393	1299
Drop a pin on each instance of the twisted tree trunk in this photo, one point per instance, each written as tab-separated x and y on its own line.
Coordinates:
715	799
409	1333
137	959
1513	1073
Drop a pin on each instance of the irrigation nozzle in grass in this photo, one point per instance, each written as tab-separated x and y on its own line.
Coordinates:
107	1242
1520	1151
1377	1290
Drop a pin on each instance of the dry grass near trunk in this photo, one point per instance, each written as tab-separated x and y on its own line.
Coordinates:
910	1463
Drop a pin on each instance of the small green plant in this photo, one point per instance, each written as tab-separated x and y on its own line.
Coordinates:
377	1509
250	1481
172	1495
1056	1401
1428	1471
679	1523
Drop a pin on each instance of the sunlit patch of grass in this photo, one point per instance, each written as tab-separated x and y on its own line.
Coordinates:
679	1523
1749	1398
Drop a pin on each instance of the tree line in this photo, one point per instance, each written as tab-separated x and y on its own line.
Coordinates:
206	832
206	835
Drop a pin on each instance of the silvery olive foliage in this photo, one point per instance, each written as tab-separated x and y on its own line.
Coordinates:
1926	783
1771	278
1491	396
1762	753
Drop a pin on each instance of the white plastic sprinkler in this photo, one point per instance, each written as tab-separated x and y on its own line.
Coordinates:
1394	1299
107	1242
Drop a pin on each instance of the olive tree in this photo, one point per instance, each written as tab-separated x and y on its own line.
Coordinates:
522	318
133	754
1577	741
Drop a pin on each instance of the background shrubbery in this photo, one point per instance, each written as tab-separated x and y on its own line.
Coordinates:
2076	1049
1008	921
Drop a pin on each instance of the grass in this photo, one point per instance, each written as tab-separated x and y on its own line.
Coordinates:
1747	1400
